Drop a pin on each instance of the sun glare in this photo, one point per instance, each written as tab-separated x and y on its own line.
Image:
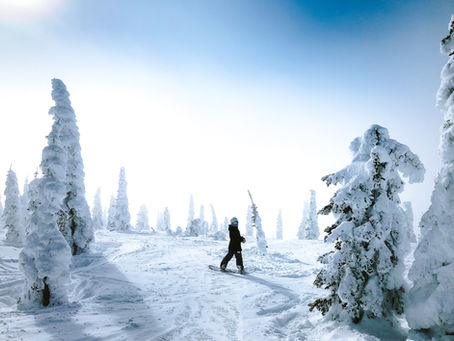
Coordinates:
18	7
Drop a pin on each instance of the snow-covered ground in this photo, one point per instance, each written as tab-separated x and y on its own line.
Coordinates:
154	287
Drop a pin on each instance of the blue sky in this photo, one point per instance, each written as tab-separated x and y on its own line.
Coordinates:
217	96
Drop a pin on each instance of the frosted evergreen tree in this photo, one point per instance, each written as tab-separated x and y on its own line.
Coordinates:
166	221
199	226
279	226
214	221
408	209
75	223
122	217
142	219
430	308
15	231
191	228
179	231
97	213
46	256
257	224
32	202
249	228
311	230
24	199
364	272
111	225
203	224
302	227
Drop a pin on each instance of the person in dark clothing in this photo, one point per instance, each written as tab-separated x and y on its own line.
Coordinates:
234	246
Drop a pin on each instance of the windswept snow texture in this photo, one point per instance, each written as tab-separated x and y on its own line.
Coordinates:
139	286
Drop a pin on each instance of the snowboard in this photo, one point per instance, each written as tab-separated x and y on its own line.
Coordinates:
217	268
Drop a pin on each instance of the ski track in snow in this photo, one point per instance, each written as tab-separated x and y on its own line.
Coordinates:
136	286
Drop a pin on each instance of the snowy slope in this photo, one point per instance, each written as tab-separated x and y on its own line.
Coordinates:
155	287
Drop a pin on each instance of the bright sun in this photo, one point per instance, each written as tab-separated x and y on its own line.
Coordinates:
25	6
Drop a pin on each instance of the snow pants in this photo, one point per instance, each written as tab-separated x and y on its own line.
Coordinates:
238	256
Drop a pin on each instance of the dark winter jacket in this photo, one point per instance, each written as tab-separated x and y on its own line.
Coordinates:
235	238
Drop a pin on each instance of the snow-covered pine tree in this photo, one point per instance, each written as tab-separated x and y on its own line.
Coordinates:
122	217
408	209
257	224
191	228
302	227
97	213
311	230
214	221
1	209
203	224
24	199
279	226
430	308
75	223
166	221
32	202
248	227
364	272
142	219
46	256
13	223
111	224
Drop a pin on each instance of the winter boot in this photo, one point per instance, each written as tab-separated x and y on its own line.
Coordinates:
223	266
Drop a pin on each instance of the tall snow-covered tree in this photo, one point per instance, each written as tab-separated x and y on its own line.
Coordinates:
214	221
142	219
199	226
166	220
311	230
203	224
46	256
249	228
32	202
430	308
97	213
408	209
122	217
191	211
257	224
111	214
163	221
190	228
24	199
302	227
364	272
15	232
75	223
279	226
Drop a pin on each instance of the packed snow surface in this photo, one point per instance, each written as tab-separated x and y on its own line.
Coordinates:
134	286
